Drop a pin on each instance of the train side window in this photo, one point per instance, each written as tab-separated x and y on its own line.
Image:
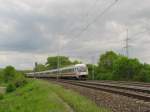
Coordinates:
70	70
75	69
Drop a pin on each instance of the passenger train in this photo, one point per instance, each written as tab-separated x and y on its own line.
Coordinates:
78	71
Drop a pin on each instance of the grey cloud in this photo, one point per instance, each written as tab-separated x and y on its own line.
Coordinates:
36	26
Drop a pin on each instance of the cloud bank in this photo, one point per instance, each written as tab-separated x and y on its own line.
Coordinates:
31	30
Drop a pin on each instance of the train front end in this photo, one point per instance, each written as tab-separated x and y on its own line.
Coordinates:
81	71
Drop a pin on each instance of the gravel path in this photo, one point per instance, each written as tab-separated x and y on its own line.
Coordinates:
117	103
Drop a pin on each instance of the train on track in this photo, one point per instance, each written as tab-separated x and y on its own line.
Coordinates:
78	71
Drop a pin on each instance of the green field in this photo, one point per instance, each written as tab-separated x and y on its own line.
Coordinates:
2	90
42	96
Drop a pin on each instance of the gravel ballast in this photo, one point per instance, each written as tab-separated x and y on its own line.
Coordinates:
115	102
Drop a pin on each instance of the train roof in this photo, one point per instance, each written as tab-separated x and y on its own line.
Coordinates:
64	68
79	65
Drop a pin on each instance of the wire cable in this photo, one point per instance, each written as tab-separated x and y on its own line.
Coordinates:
93	6
96	18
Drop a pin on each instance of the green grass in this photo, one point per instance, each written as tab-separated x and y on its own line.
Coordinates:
2	90
42	96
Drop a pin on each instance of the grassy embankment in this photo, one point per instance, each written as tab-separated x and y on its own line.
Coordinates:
41	96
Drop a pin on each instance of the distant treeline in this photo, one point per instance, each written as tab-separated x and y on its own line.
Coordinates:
112	66
52	63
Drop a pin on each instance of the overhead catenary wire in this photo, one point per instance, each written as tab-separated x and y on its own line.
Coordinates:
85	15
88	25
93	6
92	22
95	19
137	34
127	45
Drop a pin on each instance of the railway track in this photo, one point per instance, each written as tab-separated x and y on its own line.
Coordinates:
134	91
139	84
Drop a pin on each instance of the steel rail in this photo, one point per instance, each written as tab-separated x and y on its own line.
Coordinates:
140	94
139	84
120	86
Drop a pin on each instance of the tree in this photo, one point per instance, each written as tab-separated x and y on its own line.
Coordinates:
52	62
92	71
112	66
144	74
106	61
126	69
1	76
76	62
39	67
9	73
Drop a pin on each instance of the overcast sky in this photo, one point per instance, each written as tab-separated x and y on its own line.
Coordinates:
32	30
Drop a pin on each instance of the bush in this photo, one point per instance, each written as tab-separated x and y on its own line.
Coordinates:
12	78
9	74
112	66
20	83
19	80
1	96
143	76
104	76
11	87
1	76
90	70
126	69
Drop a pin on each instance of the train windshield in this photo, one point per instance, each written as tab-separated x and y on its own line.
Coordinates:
82	69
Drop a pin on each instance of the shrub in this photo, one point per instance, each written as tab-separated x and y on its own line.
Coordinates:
1	96
126	69
104	76
143	76
10	88
19	80
112	66
9	74
20	83
91	68
1	76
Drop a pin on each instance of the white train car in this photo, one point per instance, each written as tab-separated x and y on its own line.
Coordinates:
78	71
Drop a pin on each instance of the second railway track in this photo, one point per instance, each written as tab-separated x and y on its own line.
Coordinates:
141	93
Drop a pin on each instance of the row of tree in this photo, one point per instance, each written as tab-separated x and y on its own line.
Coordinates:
52	63
112	66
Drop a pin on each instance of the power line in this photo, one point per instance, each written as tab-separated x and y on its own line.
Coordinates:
86	27
93	6
58	59
86	15
138	33
93	67
96	18
127	43
127	46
